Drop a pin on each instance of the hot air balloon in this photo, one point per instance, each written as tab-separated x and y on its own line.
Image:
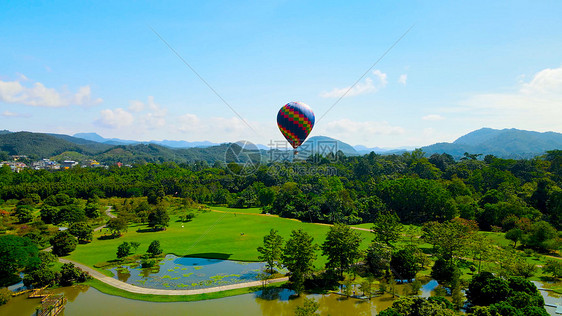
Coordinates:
295	120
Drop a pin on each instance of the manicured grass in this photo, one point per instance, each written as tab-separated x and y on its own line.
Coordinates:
253	210
231	234
364	225
107	289
210	235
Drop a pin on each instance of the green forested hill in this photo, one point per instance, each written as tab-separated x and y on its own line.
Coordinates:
151	153
90	146
37	145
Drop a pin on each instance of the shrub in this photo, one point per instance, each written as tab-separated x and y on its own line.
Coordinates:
5	295
154	249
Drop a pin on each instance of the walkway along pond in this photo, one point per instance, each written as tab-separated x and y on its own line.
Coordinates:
174	272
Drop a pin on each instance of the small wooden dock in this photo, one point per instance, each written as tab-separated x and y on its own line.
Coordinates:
20	292
51	305
38	293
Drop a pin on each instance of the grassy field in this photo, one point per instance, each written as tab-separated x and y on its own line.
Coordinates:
251	210
226	233
221	235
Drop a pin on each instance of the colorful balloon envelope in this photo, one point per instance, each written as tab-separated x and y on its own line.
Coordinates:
295	120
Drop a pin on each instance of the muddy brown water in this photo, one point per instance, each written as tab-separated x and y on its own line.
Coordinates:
86	300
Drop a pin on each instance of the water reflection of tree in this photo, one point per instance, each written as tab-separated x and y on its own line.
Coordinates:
333	304
146	272
268	293
72	292
271	304
123	274
278	307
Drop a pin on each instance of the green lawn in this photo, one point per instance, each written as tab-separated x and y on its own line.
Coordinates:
364	225
219	235
210	234
253	210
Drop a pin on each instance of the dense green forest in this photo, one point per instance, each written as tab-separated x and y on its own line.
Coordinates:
495	192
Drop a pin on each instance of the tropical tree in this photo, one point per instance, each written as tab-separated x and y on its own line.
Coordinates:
451	238
298	256
63	243
387	228
158	219
404	264
553	267
378	259
69	274
24	213
16	253
154	248
117	225
82	231
271	250
341	247
123	250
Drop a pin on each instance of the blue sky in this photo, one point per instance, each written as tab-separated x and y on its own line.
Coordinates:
69	67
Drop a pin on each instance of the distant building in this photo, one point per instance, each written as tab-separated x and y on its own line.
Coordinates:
67	164
92	163
46	164
14	165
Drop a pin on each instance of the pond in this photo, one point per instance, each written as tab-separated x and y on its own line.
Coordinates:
550	297
189	273
85	300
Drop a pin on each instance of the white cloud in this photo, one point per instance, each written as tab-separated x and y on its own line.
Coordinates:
433	117
37	94
367	86
403	79
221	129
156	117
381	76
188	123
22	77
534	105
152	120
547	81
136	106
115	118
13	114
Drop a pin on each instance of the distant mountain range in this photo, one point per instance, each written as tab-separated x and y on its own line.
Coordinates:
506	143
167	143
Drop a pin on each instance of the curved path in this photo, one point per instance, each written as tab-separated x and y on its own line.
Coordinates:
142	290
108	213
